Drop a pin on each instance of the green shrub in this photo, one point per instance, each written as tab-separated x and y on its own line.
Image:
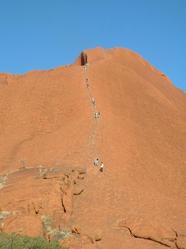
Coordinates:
13	241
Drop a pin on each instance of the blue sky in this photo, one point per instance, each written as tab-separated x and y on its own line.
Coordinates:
42	34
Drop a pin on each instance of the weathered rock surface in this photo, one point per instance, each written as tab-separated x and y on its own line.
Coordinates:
54	123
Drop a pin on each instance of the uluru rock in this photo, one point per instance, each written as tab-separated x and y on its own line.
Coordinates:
109	105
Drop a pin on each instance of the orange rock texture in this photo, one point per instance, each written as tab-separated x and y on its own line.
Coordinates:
109	105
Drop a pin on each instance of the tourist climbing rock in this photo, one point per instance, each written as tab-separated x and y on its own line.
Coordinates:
86	81
97	115
96	162
101	167
93	101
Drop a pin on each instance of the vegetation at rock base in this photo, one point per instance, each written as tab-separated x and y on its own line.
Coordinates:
14	241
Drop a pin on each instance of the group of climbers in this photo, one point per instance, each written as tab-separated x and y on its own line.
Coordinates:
99	164
84	63
97	115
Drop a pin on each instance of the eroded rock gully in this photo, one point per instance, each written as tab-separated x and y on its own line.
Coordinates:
164	237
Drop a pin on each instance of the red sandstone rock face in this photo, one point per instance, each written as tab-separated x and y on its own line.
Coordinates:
49	138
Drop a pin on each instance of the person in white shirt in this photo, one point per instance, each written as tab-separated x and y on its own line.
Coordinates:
93	101
96	162
101	167
97	114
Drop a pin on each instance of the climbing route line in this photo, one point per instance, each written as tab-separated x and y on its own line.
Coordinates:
95	115
88	149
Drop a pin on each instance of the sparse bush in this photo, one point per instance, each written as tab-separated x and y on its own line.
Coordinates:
13	241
